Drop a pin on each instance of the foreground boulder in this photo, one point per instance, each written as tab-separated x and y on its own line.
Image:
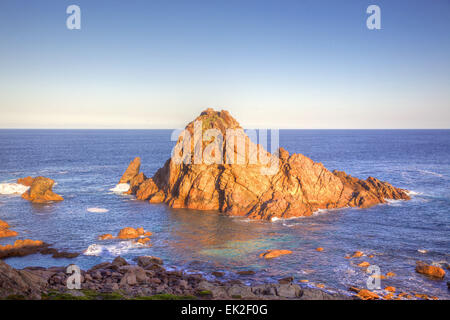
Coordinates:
246	180
120	280
41	191
19	283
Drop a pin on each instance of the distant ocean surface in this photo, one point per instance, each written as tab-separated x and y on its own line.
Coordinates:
87	164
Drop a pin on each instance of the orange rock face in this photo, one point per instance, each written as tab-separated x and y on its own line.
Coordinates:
41	191
357	254
21	248
27	181
131	233
270	254
284	186
128	233
106	236
431	271
390	289
132	170
4	224
7	233
364	264
22	244
135	182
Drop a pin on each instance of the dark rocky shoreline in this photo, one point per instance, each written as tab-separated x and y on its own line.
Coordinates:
146	280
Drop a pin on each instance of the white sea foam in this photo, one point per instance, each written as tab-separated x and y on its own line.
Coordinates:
97	210
394	203
112	249
413	193
12	188
432	173
120	188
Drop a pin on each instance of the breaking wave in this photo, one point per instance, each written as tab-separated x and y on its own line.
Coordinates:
112	249
12	188
97	210
120	188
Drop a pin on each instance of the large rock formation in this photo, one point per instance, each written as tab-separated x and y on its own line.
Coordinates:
41	191
215	173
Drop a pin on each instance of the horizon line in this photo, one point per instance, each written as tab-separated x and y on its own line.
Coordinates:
243	128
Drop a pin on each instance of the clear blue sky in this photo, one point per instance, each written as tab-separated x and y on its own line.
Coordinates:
272	64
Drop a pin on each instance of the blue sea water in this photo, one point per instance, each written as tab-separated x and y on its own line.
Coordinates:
86	164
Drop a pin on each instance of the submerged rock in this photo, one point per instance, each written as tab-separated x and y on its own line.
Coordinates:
270	254
357	254
256	184
41	191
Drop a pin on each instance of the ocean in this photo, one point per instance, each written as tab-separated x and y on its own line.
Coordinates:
87	165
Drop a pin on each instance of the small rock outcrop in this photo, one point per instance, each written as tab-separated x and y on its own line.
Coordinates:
21	248
270	254
5	231
26	247
41	191
132	171
249	186
127	234
431	271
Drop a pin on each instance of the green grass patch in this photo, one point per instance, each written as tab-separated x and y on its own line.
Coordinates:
204	293
165	296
